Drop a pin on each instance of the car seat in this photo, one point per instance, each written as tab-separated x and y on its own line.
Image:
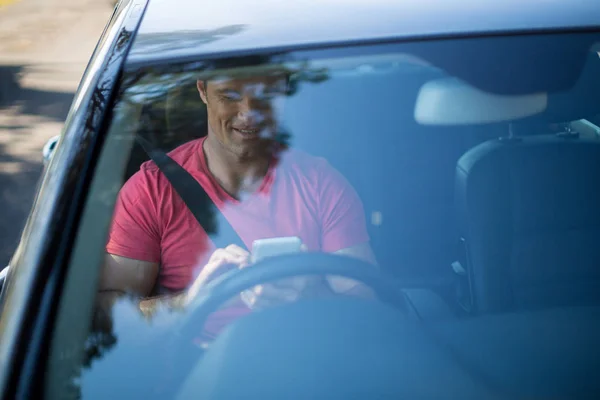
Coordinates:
170	120
528	209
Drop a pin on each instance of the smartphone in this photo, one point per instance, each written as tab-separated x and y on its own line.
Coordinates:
263	248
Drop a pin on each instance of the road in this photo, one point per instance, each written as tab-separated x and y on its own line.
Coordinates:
44	48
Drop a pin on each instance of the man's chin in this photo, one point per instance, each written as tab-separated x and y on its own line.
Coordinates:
247	149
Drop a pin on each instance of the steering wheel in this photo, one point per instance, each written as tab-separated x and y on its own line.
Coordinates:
235	281
270	269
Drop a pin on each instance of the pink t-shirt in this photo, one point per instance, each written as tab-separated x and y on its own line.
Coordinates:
301	195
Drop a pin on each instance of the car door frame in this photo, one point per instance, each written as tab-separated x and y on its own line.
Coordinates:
39	265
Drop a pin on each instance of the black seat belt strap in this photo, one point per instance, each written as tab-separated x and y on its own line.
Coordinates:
208	215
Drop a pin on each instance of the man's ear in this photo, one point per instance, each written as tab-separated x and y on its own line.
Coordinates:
201	85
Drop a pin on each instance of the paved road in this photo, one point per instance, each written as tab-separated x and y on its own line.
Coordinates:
44	48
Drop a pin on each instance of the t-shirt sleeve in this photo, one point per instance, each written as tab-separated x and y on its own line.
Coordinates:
341	211
134	230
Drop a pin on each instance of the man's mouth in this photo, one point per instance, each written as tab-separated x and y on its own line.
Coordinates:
247	131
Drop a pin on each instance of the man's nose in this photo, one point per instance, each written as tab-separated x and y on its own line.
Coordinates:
250	111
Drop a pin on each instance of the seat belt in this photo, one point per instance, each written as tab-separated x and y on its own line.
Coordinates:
208	215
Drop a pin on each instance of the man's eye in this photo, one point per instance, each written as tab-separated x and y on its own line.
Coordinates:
231	96
272	94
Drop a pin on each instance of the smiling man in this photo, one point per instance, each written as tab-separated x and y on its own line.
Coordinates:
263	189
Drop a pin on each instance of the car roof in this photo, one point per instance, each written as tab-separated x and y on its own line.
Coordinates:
182	28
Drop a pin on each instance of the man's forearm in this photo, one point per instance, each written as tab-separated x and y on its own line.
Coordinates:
357	290
148	306
360	290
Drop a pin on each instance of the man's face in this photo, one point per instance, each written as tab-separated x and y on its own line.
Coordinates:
242	112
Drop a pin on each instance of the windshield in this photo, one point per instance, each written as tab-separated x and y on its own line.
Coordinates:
466	168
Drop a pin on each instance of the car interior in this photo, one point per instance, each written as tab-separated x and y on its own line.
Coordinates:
424	205
490	203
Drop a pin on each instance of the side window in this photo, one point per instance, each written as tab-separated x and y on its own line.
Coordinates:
68	360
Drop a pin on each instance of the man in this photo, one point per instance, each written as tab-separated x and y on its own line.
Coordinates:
262	189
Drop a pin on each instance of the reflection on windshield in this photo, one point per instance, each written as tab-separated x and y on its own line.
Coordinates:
392	161
166	41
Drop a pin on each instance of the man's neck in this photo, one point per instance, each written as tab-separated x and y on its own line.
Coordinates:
235	174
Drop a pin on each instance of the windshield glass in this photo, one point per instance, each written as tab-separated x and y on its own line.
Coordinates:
466	168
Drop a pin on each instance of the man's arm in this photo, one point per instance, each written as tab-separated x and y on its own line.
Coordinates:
351	287
361	251
125	276
133	239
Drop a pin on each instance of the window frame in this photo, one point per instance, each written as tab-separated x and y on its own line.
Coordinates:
42	257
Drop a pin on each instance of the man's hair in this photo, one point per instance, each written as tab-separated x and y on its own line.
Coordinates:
287	76
255	60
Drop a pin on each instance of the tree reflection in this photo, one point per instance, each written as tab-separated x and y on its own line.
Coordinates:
161	42
101	337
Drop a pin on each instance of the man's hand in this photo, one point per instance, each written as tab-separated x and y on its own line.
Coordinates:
261	296
219	262
283	291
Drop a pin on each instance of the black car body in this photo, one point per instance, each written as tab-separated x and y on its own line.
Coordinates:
457	335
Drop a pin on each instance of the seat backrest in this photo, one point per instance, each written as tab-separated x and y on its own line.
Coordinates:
172	120
527	207
528	211
186	116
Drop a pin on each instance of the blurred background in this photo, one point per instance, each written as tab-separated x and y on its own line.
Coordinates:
44	48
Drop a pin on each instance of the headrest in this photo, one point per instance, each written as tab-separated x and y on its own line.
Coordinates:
185	114
451	101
